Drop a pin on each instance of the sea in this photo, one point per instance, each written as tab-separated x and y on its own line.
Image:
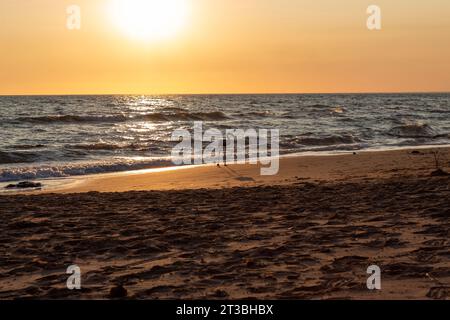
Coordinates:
48	137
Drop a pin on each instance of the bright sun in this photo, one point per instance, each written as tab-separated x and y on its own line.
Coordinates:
149	19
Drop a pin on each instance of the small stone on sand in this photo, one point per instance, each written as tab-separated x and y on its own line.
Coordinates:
439	173
24	185
118	292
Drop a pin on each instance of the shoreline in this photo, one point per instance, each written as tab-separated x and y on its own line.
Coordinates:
311	167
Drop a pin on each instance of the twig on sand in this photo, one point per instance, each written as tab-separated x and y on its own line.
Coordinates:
439	172
436	155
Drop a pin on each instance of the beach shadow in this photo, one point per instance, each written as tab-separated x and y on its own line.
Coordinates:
237	176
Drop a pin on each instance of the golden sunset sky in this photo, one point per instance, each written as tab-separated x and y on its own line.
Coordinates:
227	46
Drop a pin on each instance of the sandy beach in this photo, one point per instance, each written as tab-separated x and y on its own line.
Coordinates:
309	232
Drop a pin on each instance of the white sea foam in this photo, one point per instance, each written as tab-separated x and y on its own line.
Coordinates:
45	171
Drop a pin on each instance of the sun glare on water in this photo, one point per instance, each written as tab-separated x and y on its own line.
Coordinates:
149	19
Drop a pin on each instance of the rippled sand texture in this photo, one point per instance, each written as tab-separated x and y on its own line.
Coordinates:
299	241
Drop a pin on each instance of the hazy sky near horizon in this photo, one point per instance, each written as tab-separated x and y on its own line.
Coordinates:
228	46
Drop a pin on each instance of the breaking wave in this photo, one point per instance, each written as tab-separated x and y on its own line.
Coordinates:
77	169
72	119
327	140
156	117
414	130
17	157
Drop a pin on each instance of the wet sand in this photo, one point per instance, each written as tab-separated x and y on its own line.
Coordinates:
309	233
315	169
